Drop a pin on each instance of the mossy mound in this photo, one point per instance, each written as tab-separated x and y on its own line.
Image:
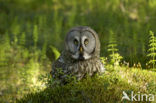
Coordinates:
106	88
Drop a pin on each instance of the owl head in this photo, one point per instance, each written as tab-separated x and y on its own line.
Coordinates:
82	43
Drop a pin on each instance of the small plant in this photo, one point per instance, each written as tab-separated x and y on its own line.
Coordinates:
35	35
104	60
22	39
15	29
152	49
52	53
115	57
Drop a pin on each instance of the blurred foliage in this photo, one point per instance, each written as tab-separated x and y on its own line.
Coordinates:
50	20
32	31
19	70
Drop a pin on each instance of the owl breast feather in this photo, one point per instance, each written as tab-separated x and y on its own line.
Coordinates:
79	68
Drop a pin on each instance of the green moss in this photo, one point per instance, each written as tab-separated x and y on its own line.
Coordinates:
98	89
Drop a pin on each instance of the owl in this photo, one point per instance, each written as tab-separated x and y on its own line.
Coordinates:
81	55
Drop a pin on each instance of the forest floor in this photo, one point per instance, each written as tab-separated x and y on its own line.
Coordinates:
106	88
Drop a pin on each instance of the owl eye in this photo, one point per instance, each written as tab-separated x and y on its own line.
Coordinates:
75	42
86	41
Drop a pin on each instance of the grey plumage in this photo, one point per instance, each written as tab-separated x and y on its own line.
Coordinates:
80	56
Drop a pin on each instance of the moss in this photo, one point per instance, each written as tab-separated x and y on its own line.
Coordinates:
97	89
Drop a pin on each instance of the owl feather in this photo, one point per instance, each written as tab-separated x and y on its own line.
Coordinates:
67	65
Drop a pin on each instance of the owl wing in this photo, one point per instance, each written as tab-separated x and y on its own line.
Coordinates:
57	67
60	71
60	66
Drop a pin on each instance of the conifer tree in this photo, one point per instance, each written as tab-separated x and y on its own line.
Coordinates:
152	49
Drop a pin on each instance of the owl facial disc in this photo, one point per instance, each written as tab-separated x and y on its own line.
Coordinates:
81	44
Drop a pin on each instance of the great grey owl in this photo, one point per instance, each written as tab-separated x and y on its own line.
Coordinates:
80	56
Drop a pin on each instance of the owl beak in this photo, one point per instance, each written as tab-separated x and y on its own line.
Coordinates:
81	49
81	53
